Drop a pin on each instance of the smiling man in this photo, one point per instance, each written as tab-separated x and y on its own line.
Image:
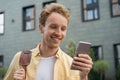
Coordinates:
48	61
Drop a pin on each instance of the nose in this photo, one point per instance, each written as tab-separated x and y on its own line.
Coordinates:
58	31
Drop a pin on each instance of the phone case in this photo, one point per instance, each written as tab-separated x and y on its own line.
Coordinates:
82	48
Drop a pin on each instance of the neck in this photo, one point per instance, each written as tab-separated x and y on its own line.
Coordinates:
46	51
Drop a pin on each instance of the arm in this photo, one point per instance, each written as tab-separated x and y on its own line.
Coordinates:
14	65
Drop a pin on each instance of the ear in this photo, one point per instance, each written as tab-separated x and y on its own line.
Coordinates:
41	28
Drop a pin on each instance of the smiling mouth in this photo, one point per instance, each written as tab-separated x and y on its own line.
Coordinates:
55	39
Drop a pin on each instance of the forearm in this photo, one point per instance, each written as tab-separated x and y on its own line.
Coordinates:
84	78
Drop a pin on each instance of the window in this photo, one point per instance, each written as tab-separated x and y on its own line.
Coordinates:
1	60
1	22
90	10
28	18
115	7
45	3
97	52
117	54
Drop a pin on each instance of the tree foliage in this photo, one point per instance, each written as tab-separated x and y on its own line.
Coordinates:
71	47
100	66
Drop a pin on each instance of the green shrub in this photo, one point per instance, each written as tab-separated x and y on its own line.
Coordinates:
100	66
118	72
2	72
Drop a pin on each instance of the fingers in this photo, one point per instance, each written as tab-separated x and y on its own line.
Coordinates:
19	74
81	68
83	58
83	62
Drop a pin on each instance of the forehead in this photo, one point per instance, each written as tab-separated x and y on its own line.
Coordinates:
57	18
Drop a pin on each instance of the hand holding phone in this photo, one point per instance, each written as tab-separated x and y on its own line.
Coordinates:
82	48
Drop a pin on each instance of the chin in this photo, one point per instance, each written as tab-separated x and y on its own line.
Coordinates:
54	46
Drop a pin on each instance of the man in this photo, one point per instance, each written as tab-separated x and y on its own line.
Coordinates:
48	61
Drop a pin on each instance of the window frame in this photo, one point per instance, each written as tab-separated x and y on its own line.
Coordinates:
83	14
3	23
48	2
2	60
116	58
100	56
24	19
111	10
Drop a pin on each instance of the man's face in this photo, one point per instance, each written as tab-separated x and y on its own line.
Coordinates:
54	30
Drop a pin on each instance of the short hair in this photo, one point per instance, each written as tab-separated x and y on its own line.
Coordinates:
53	7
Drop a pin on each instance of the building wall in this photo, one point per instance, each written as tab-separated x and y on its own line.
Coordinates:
104	32
14	39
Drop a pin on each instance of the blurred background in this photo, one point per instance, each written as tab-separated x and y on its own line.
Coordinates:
95	21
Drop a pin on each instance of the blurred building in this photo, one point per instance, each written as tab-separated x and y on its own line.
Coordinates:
95	21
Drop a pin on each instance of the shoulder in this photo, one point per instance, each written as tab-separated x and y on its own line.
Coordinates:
17	55
15	59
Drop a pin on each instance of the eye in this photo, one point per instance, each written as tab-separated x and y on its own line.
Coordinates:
63	28
53	26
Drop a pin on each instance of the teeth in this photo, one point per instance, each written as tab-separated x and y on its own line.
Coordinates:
54	37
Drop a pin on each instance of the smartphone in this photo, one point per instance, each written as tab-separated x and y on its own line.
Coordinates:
82	48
